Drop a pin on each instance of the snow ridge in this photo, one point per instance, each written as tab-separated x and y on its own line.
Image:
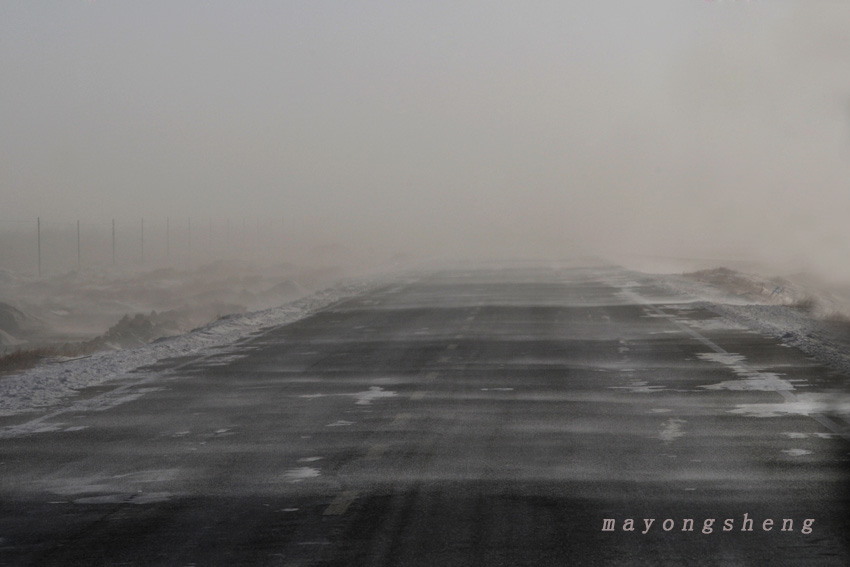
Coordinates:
49	385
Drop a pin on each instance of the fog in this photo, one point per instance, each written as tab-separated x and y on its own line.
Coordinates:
716	130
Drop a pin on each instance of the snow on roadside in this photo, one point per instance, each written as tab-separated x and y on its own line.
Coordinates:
48	385
794	327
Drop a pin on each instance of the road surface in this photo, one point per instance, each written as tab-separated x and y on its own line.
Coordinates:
483	417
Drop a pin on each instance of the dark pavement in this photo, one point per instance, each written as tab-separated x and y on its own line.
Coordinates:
484	417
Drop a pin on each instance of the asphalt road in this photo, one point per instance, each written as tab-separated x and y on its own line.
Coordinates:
481	417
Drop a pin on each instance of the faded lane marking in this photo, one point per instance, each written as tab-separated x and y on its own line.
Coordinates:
376	451
401	419
341	503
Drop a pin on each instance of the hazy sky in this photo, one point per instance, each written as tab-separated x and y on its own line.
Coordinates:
663	125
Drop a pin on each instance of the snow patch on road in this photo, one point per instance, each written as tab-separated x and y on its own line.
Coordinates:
300	474
372	394
672	430
363	398
638	387
806	404
752	380
796	452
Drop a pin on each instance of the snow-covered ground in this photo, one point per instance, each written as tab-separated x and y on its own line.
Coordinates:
48	385
95	309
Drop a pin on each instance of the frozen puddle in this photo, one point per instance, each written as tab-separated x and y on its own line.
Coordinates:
751	379
300	474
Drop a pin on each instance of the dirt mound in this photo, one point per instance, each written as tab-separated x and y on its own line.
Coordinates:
741	284
805	295
11	319
139	329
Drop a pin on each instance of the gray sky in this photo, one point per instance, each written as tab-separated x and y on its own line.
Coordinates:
673	125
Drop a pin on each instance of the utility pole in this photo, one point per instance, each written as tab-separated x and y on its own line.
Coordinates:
78	245
143	241
38	230
113	243
189	255
227	236
168	240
